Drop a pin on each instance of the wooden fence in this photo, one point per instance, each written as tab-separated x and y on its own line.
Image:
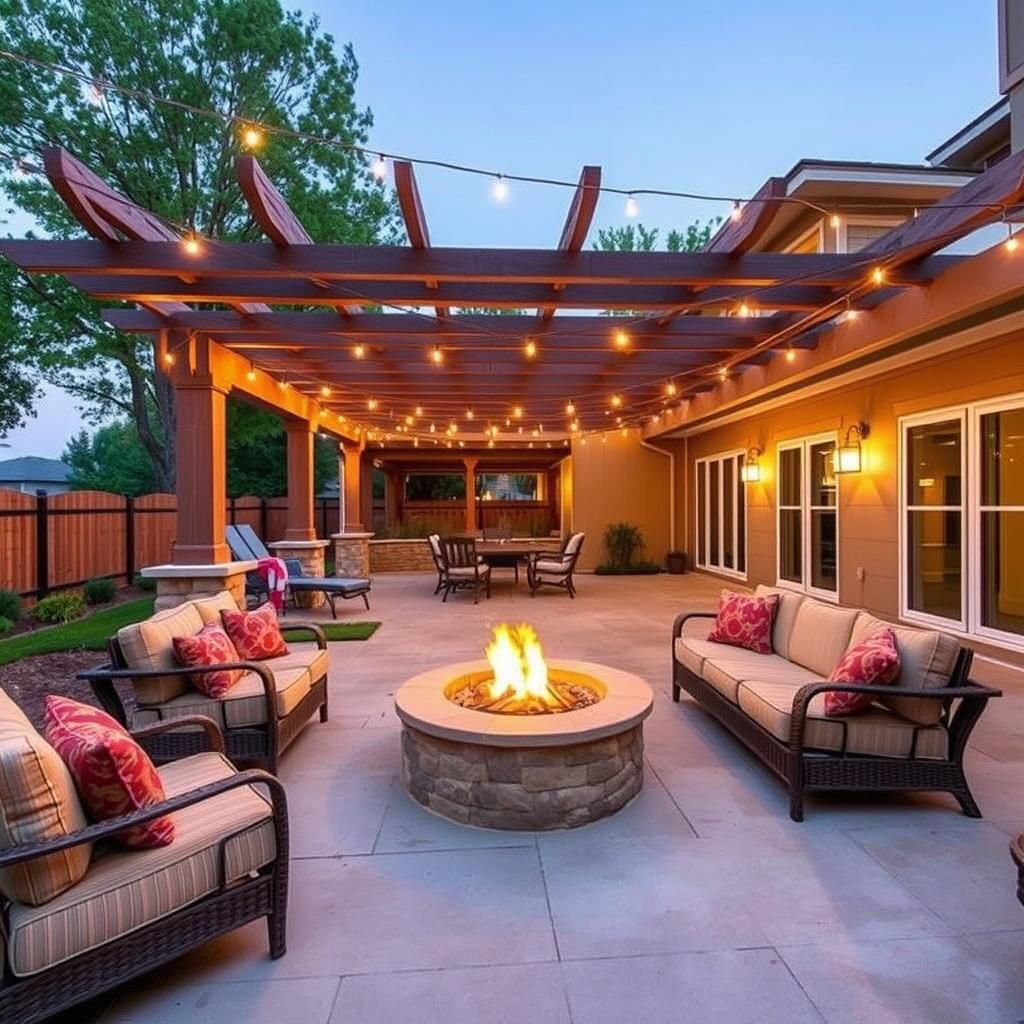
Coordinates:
52	542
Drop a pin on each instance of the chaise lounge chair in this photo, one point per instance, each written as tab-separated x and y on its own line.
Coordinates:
245	545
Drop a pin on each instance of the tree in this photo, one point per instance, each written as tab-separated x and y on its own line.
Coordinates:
244	57
637	238
110	459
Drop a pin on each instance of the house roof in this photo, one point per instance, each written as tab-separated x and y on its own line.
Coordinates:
35	469
989	131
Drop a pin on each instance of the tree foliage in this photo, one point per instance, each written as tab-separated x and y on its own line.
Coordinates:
249	58
638	238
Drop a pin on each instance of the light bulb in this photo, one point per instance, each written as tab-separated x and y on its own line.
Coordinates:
743	310
469	414
517	412
530	348
359	351
432	428
380	168
723	372
371	404
190	243
621	339
325	391
632	210
251	375
736	212
1011	243
436	355
409	421
834	221
616	401
169	358
282	384
252	137
500	189
418	410
670	388
570	408
878	275
790	355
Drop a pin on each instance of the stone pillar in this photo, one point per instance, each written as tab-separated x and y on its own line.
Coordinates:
176	584
299	523
352	554
310	554
352	477
201	487
470	463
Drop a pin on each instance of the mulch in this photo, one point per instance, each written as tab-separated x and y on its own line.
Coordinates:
28	681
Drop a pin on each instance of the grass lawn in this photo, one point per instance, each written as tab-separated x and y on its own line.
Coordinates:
341	630
88	634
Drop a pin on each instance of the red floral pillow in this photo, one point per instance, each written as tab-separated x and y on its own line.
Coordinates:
112	773
873	661
256	635
210	646
744	621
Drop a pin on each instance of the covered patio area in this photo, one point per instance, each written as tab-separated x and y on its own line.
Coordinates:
701	894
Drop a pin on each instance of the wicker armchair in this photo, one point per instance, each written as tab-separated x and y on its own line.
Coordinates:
150	909
462	568
1017	853
556	570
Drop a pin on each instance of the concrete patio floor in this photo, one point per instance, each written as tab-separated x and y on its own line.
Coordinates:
701	901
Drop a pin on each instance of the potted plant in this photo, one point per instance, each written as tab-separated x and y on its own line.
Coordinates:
675	562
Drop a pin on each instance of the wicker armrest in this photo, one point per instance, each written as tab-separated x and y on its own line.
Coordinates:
309	627
677	625
106	829
214	737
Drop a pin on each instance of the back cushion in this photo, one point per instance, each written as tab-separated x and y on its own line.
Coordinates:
148	645
785	616
821	634
209	608
37	801
927	658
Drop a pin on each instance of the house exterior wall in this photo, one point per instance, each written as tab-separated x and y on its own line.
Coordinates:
868	525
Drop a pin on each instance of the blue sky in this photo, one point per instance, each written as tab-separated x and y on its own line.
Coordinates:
707	97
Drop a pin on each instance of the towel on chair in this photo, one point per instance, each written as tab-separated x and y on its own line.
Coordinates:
274	573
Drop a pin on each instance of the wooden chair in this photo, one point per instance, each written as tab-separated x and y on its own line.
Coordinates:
462	568
556	570
434	541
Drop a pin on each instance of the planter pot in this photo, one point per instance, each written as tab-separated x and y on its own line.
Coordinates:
676	563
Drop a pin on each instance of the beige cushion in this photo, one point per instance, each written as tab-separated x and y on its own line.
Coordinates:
463	572
37	801
209	608
552	565
876	731
127	889
307	656
725	673
820	635
927	658
785	616
148	645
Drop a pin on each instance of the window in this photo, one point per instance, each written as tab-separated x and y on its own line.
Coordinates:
435	487
962	519
722	514
808	517
508	486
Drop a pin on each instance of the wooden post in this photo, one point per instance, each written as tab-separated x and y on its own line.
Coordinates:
352	462
470	463
299	524
129	539
201	474
42	543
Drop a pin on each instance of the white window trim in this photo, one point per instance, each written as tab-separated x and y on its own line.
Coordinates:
735	574
815	229
803	445
969	626
862	222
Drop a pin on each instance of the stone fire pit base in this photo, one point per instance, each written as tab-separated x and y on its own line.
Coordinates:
522	787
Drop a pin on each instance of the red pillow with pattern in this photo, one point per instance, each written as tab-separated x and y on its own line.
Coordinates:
256	635
871	661
112	773
745	621
210	646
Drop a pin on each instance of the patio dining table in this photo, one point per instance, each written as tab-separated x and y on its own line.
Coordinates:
508	555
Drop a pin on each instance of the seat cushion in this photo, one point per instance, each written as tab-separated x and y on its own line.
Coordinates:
112	773
785	616
37	801
307	656
725	673
877	731
125	890
927	659
467	572
147	645
820	635
556	565
209	608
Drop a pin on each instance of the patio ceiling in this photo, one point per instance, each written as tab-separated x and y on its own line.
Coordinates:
299	310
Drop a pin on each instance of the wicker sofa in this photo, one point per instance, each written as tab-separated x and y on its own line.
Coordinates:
79	915
259	716
912	738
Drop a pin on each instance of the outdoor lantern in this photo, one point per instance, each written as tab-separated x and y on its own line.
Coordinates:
848	454
751	471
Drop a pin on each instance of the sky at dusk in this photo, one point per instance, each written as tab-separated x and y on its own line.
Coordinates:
673	94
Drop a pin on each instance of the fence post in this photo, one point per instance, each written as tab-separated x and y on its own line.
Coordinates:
263	520
232	515
42	543
129	538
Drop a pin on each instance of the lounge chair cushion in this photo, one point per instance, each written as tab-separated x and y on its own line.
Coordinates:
37	801
877	731
337	584
147	645
125	890
927	659
820	635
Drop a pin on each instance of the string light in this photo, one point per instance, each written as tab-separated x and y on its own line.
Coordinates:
500	189
418	410
469	414
190	243
380	168
517	412
790	354
409	421
251	374
723	372
878	276
616	401
530	348
436	355
282	384
736	212
835	221
169	358
570	408
670	388
632	210
252	137
359	350
432	428
371	404
621	339
325	391
1011	242
743	310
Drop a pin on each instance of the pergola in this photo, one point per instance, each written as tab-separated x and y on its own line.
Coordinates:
368	344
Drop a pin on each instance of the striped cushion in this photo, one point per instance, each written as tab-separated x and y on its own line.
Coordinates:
37	801
148	645
125	890
726	672
876	731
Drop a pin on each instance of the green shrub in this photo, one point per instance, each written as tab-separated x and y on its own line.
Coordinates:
145	583
623	542
5	625
99	591
59	607
10	605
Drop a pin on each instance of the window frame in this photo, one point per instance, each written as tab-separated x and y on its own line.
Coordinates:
804	445
969	625
738	455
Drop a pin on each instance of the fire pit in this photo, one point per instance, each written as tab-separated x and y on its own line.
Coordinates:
515	742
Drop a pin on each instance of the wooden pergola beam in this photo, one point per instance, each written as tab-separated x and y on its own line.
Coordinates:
741	235
411	205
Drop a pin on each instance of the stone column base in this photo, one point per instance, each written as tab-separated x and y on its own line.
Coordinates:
310	554
352	554
176	584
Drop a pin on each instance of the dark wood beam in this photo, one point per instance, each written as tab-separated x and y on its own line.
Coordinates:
581	210
412	213
741	235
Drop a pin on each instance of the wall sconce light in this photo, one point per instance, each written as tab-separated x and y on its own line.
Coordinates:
848	453
750	473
